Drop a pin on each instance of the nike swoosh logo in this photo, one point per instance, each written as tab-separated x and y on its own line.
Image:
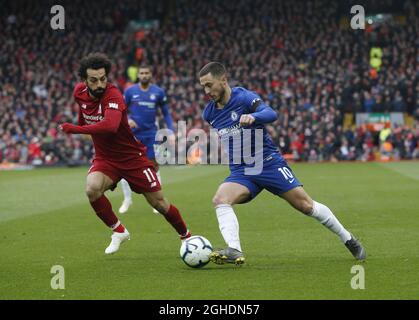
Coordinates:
291	181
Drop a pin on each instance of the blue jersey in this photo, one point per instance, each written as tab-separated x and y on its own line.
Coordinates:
227	123
143	106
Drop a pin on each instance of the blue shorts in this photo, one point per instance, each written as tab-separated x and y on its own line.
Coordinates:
276	177
150	142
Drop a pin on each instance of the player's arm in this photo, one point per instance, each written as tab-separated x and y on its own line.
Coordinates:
166	112
80	119
261	114
167	116
109	124
264	114
78	87
127	98
81	122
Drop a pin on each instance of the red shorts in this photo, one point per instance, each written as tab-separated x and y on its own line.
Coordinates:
139	173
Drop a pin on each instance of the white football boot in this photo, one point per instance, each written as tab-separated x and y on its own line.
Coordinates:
117	239
125	206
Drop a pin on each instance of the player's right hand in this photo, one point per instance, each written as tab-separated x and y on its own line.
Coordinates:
66	128
132	124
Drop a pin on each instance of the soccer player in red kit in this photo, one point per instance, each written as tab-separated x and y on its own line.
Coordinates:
103	115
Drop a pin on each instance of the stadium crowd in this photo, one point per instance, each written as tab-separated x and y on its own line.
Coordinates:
297	55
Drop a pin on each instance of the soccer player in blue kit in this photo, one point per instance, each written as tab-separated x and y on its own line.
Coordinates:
230	111
143	100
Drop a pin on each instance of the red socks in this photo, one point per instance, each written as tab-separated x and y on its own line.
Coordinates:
103	209
175	219
118	228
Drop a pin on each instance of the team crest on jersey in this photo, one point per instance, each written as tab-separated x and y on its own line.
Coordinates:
152	97
113	105
234	116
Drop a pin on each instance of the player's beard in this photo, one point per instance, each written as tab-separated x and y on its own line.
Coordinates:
96	93
145	82
221	96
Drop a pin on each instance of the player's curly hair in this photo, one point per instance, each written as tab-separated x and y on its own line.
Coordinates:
95	60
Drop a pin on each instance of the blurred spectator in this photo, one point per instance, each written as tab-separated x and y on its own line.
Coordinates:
294	54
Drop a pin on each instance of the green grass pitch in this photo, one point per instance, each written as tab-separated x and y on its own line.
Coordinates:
45	220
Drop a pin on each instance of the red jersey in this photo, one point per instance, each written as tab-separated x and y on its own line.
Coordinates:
117	145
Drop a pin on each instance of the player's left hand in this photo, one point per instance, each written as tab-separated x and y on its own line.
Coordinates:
246	120
132	124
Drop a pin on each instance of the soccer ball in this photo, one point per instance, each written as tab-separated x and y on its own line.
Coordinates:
195	251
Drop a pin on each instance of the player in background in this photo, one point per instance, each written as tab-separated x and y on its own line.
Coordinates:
143	101
103	115
230	111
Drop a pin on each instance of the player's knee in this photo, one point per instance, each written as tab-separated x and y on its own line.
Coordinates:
305	206
162	206
93	193
220	199
159	203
